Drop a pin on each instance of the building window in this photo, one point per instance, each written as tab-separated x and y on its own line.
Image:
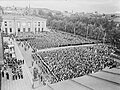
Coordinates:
23	29
18	29
38	29
35	30
10	29
5	23
28	29
42	29
6	30
38	23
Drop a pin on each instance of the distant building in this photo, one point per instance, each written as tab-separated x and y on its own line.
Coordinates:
13	24
66	13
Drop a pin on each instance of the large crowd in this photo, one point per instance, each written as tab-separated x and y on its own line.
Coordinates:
24	36
12	68
74	62
70	62
53	39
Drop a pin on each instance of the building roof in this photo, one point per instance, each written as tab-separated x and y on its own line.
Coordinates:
22	17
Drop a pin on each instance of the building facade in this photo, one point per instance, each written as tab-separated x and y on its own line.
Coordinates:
14	24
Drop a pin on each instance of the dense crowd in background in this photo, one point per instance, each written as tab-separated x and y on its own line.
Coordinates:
24	36
66	63
74	62
54	39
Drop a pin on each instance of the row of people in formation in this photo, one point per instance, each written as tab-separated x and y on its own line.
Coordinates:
7	75
12	67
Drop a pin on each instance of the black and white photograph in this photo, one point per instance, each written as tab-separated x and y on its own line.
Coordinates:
59	44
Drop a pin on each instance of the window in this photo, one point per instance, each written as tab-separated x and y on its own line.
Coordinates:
23	29
35	30
42	29
28	29
10	29
5	23
18	29
5	30
38	29
38	23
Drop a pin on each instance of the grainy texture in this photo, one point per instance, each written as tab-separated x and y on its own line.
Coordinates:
1	50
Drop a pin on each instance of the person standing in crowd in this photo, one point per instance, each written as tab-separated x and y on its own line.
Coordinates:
19	76
7	75
21	73
23	61
2	73
13	76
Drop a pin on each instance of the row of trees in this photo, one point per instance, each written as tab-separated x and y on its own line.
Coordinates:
98	27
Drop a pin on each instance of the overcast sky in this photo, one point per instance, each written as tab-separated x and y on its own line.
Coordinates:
102	6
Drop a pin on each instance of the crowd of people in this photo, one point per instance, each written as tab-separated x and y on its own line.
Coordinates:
52	39
12	68
70	62
74	62
24	36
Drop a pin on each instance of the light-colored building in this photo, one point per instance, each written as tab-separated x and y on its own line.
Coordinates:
13	24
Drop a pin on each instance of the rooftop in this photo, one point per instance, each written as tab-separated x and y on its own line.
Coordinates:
19	17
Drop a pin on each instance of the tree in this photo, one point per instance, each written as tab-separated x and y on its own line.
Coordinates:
40	12
34	12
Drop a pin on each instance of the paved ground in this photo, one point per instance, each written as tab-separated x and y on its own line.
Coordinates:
109	79
27	55
22	84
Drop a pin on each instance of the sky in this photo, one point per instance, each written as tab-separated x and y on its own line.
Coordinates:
102	6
